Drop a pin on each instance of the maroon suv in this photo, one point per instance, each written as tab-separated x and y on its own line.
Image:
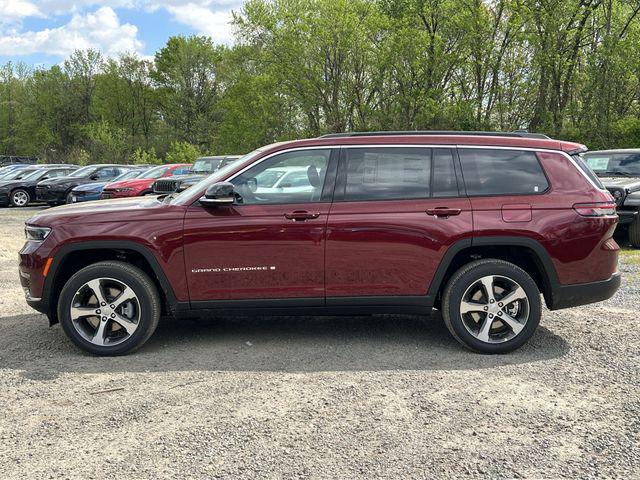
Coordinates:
476	225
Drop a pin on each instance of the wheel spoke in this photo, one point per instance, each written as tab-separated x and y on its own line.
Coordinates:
96	288
125	323
517	294
515	325
487	283
485	328
79	312
126	295
468	307
99	337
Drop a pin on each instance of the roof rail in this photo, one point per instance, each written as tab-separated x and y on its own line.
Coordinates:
517	134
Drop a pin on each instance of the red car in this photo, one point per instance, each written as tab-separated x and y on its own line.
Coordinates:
142	185
479	226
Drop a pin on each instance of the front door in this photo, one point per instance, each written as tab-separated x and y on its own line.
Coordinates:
270	244
396	212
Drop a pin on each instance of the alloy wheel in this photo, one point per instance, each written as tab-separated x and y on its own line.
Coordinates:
494	309
20	198
105	311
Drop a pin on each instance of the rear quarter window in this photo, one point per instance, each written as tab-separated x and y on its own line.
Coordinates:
489	172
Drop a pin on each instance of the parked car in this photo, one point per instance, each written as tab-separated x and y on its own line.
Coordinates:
202	167
57	191
619	171
476	225
21	190
93	191
142	184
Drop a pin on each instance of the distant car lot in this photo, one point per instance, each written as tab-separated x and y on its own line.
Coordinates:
364	394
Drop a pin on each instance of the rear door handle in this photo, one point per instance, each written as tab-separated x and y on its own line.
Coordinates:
443	211
301	216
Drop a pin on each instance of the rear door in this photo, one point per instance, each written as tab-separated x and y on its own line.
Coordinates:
396	211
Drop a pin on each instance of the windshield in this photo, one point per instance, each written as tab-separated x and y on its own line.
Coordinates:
205	165
211	179
128	175
34	175
614	163
155	172
83	172
19	174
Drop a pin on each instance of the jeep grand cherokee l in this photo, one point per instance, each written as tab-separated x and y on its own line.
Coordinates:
476	225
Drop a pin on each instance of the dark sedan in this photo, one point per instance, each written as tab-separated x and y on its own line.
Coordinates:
57	191
20	191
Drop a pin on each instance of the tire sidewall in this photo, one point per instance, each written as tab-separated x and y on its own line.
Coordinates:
17	191
148	311
457	289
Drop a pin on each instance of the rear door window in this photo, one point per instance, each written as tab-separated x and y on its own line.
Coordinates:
490	172
387	173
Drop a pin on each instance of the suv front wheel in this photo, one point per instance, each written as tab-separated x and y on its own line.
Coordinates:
109	308
491	306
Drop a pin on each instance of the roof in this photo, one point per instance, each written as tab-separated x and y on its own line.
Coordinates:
618	150
433	138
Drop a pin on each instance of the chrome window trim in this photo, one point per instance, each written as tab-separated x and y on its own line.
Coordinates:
197	196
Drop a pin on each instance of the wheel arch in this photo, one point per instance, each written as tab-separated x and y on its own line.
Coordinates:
72	257
526	253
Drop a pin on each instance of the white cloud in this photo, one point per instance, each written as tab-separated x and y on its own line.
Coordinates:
207	17
100	30
13	10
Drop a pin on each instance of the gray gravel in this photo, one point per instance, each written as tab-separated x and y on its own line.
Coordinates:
337	397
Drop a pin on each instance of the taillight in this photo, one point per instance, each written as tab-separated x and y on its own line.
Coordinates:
595	209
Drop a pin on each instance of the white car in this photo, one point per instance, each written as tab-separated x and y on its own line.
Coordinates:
284	179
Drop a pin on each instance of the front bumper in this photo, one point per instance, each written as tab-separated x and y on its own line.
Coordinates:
77	197
567	296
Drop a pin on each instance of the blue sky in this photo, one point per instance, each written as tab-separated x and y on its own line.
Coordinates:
44	32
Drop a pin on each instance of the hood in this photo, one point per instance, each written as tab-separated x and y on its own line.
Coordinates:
88	187
122	210
133	183
629	183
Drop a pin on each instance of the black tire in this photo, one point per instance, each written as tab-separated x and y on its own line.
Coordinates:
67	198
144	289
14	198
634	233
52	204
469	275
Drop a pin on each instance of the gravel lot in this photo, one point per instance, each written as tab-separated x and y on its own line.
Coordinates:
389	396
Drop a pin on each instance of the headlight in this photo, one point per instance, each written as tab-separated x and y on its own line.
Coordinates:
36	234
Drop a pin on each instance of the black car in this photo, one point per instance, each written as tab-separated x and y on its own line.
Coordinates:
57	191
619	172
202	167
20	189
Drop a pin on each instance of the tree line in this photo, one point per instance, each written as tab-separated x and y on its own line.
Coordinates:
302	68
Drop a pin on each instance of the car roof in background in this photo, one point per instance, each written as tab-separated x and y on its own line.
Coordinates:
609	152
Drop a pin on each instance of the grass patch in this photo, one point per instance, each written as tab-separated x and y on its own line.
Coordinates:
630	256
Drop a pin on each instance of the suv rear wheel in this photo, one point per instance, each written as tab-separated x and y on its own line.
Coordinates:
491	306
634	233
109	308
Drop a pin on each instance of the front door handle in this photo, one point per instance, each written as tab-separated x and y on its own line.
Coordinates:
301	216
443	211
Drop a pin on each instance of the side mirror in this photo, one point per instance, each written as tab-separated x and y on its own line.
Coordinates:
218	194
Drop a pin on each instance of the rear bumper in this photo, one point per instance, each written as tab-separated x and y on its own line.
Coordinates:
567	296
